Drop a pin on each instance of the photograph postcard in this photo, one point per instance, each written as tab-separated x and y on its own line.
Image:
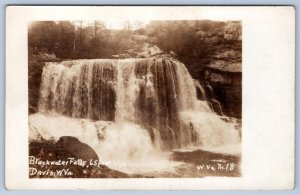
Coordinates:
150	97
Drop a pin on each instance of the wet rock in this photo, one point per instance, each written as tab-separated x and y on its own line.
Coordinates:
218	78
78	149
63	150
225	66
222	82
216	106
226	88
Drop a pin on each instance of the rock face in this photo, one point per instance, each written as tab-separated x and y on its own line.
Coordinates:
78	149
222	78
214	59
227	89
64	149
36	63
224	75
220	71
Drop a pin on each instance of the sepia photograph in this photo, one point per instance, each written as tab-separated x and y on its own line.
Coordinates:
150	98
122	99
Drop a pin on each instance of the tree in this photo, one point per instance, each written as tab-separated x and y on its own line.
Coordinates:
65	40
42	36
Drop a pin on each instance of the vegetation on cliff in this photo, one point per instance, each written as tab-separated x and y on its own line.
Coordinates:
211	50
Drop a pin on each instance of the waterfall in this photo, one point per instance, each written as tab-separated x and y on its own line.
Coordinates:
158	94
200	90
80	89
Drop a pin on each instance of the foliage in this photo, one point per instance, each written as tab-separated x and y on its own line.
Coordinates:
77	40
195	42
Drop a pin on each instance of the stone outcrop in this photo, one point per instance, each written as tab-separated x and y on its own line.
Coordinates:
65	148
78	149
223	79
227	89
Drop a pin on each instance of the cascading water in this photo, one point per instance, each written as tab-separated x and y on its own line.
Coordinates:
157	96
80	89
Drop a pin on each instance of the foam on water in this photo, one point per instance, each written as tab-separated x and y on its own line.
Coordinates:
211	130
126	148
130	111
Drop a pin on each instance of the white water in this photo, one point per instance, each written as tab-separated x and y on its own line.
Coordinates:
126	148
151	104
211	130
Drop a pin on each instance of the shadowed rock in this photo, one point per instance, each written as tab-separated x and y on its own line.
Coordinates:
78	149
69	147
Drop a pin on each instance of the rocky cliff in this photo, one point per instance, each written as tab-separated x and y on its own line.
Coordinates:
222	78
212	52
220	70
223	75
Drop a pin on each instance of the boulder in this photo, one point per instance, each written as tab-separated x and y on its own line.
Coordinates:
68	147
78	149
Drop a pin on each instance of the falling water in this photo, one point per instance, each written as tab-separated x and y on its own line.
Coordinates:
156	94
200	90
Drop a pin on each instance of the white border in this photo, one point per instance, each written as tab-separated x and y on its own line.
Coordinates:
268	95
